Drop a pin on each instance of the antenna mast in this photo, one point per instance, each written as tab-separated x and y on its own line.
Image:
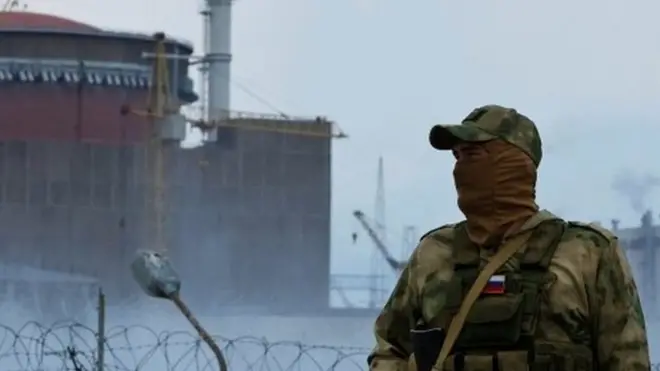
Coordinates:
376	292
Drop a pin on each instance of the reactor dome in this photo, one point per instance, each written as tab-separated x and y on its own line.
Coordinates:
38	21
64	79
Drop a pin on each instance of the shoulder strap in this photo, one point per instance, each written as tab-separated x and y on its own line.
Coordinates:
502	256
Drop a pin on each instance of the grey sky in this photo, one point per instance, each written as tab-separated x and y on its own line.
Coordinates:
587	72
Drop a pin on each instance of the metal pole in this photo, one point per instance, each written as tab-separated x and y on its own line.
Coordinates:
100	336
206	337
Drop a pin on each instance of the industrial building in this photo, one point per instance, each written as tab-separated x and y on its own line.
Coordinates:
69	170
264	197
244	217
641	246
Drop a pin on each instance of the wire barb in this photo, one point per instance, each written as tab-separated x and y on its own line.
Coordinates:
35	347
70	346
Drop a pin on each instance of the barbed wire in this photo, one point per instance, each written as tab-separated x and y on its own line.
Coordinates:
68	346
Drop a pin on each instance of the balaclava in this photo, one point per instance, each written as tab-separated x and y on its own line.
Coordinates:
496	186
496	190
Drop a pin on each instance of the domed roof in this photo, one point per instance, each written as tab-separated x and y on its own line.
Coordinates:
17	20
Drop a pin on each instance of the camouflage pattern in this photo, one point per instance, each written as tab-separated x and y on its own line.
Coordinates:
592	302
488	123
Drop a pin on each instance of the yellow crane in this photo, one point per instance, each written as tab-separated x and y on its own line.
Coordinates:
158	108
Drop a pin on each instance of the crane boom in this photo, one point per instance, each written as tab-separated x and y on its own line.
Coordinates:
318	127
393	263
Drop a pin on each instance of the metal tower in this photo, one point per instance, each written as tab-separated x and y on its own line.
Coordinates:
376	289
216	69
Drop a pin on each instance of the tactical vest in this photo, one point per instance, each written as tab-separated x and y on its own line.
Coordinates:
500	331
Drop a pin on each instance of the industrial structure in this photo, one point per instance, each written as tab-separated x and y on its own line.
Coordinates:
641	245
91	168
70	165
384	264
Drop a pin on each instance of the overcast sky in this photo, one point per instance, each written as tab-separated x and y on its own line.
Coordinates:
587	72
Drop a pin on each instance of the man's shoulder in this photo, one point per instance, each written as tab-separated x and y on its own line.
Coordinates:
443	234
434	252
591	233
436	246
574	229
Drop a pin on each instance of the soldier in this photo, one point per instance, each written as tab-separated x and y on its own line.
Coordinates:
511	288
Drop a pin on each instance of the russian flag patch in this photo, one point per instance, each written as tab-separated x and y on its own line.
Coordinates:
496	285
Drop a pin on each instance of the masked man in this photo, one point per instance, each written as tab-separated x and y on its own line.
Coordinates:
563	300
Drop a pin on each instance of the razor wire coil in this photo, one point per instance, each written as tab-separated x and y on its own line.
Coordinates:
68	346
73	347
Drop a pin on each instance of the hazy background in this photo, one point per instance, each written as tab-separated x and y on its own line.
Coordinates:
587	72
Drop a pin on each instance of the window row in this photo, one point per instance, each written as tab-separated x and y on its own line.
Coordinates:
92	77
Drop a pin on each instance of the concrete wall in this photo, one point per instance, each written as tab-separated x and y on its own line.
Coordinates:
73	207
263	199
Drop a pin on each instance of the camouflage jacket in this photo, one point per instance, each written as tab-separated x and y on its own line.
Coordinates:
594	299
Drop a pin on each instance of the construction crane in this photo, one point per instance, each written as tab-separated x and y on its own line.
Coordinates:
396	265
206	119
159	108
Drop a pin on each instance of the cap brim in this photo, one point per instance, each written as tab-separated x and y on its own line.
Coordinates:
444	137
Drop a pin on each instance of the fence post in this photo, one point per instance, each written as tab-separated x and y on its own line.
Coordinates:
100	336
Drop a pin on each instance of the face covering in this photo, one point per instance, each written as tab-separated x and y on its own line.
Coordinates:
496	190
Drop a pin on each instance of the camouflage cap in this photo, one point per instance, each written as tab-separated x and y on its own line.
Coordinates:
488	123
